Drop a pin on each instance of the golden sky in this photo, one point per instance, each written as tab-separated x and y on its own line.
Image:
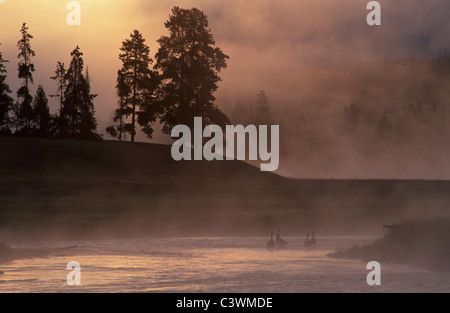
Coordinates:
256	34
104	25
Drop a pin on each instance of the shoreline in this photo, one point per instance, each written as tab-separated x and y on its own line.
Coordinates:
8	254
421	243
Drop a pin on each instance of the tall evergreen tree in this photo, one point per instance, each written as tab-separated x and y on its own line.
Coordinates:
6	102
60	79
78	120
135	81
88	125
42	117
26	69
189	64
123	92
59	121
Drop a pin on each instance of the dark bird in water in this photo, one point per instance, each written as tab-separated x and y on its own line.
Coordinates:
313	239
307	241
270	244
310	242
280	241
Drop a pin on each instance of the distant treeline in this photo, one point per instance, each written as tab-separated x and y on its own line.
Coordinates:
416	104
384	98
178	87
416	101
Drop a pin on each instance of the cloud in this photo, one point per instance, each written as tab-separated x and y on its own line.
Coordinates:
321	32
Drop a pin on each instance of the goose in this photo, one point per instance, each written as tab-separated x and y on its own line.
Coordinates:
270	243
313	240
307	241
280	241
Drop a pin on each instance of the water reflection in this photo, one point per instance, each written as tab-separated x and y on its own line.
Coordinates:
213	265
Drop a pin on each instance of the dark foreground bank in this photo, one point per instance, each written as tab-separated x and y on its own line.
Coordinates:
72	190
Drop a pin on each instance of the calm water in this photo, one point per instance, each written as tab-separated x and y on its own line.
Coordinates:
213	265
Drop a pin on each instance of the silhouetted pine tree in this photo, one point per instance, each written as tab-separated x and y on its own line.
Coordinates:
189	63
134	85
88	125
60	80
26	69
42	117
78	120
123	92
6	102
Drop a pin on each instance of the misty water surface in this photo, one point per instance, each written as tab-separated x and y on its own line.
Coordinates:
213	265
